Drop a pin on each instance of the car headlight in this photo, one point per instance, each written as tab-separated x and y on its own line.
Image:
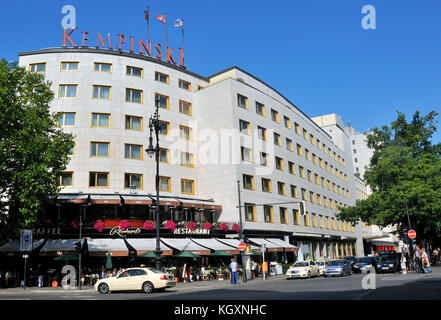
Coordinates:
391	265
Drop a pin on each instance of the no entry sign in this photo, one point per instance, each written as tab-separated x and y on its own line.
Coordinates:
242	246
411	234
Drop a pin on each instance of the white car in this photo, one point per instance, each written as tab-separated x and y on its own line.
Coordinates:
322	265
145	279
303	269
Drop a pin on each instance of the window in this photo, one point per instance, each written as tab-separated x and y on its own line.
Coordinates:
260	109
299	150
321	163
297	128
319	199
274	115
268	214
283	215
319	144
72	151
309	175
99	149
100	120
281	188
187	159
355	160
305	134
244	127
133	123
66	119
304	197
164	155
133	151
353	142
314	220
37	67
291	167
333	223
102	92
355	151
132	181
102	67
308	154
162	101
242	101
184	85
134	71
314	159
66	179
67	91
326	201
185	107
250	212
296	216
185	133
248	182
246	154
312	140
302	172
279	163
266	185
287	122
277	139
323	182
306	219
161	77
98	179
289	145
69	66
187	186
328	223
311	196
294	193
317	180
133	95
164	127
264	159
261	133
164	184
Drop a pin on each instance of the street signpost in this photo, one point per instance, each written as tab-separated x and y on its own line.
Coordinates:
242	246
25	246
411	234
263	260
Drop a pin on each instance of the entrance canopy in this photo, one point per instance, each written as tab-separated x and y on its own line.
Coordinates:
14	245
185	245
149	244
53	246
285	245
270	246
137	200
216	245
100	247
235	243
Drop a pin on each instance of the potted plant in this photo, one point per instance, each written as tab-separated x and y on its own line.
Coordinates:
55	280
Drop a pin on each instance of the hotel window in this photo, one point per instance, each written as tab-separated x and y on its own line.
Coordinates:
291	167
277	139
133	151
296	216
184	85
165	184
311	196
98	179
164	128
164	155
317	179
248	182
328	223
305	134
327	166
314	159
185	107
268	214
246	154
294	193
329	185
326	201
242	101
133	123
306	220
355	160
37	67
274	115
264	159
133	95
319	199
100	120
187	159
309	175
339	225
244	127
132	181
102	92
304	197
67	91
312	140
302	171
297	128
299	150
344	226
266	185
72	151
355	151
261	133
260	109
325	149
250	212
308	154
66	119
287	122
164	78
335	156
323	182
322	222
289	145
281	188
279	163
162	101
102	67
99	149
187	186
283	215
314	220
334	187
319	144
185	133
333	223
134	72
321	163
344	163
66	179
69	66
331	202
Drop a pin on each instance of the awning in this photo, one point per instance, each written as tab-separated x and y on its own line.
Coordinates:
14	245
270	246
137	200
191	204
285	245
235	243
185	245
100	247
105	199
384	241
52	246
72	198
198	204
216	245
148	244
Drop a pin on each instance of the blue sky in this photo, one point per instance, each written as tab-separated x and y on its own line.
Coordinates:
316	53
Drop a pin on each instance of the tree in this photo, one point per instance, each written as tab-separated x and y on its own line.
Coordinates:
405	176
33	150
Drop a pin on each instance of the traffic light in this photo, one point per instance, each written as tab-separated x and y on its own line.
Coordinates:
302	207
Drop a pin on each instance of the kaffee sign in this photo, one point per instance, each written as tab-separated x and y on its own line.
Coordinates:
143	47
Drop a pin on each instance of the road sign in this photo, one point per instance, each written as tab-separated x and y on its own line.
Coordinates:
411	234
242	246
26	240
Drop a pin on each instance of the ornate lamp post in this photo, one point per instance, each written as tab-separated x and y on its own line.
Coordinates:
151	150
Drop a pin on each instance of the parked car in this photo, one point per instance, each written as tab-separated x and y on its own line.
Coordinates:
352	260
338	267
387	261
139	279
322	265
364	264
303	269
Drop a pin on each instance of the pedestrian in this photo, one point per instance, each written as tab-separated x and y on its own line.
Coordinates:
7	277
403	263
40	281
425	261
233	270
114	272
253	269
439	254
417	259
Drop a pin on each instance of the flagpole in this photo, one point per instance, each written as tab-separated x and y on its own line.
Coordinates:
183	51
148	22
166	50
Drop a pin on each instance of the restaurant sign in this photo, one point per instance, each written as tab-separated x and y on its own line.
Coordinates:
47	231
123	233
188	231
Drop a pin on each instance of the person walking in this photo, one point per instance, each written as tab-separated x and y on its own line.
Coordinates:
417	259
403	263
233	270
425	261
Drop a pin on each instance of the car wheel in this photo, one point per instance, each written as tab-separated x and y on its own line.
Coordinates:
148	287
309	275
103	288
325	275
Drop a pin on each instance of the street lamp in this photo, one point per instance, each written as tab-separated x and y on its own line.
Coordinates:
154	150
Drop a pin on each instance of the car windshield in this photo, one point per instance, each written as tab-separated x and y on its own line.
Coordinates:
364	260
336	263
386	257
301	264
320	263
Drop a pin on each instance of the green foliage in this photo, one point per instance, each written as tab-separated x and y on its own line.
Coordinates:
405	176
34	151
